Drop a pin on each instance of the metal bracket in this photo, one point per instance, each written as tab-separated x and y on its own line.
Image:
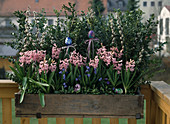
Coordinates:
38	115
138	116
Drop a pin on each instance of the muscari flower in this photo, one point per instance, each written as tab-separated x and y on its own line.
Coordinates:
108	82
77	79
87	67
100	79
64	76
64	84
88	75
60	72
95	71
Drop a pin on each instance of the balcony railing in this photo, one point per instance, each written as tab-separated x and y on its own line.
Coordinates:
157	97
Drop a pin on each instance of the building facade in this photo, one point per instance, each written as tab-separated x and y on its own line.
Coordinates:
163	29
150	7
117	4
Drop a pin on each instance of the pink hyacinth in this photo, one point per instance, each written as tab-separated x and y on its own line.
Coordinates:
55	52
130	65
64	64
77	59
109	56
53	66
94	63
117	65
30	56
43	66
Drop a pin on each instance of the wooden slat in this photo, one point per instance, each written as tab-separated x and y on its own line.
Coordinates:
76	106
60	120
96	121
78	120
163	117
162	89
8	88
8	92
25	121
168	119
157	117
132	121
42	121
6	111
153	111
148	111
161	103
114	121
146	90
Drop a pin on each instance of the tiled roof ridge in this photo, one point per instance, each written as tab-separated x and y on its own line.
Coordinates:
168	7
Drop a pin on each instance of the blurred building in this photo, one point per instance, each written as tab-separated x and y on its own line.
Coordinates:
150	7
164	28
117	4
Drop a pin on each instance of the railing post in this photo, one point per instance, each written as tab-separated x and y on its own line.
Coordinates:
146	90
163	116
96	121
7	91
6	111
25	121
78	120
114	121
168	119
60	120
42	121
132	121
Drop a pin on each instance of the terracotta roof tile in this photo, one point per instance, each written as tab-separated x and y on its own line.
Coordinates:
7	7
168	7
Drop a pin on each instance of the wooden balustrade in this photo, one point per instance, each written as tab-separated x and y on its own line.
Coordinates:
157	97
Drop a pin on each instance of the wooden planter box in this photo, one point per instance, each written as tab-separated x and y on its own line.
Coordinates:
70	105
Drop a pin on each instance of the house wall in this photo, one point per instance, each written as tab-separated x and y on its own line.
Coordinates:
149	9
117	4
165	13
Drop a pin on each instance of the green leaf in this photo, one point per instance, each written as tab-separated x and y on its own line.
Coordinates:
22	96
75	71
16	73
24	82
19	68
51	77
43	80
39	84
42	100
68	76
29	71
110	78
23	93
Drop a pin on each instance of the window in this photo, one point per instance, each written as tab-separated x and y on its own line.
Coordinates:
120	4
160	3
36	1
152	3
50	22
167	26
8	23
161	26
144	3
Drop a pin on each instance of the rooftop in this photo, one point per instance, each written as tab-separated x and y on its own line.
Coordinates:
168	7
7	7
